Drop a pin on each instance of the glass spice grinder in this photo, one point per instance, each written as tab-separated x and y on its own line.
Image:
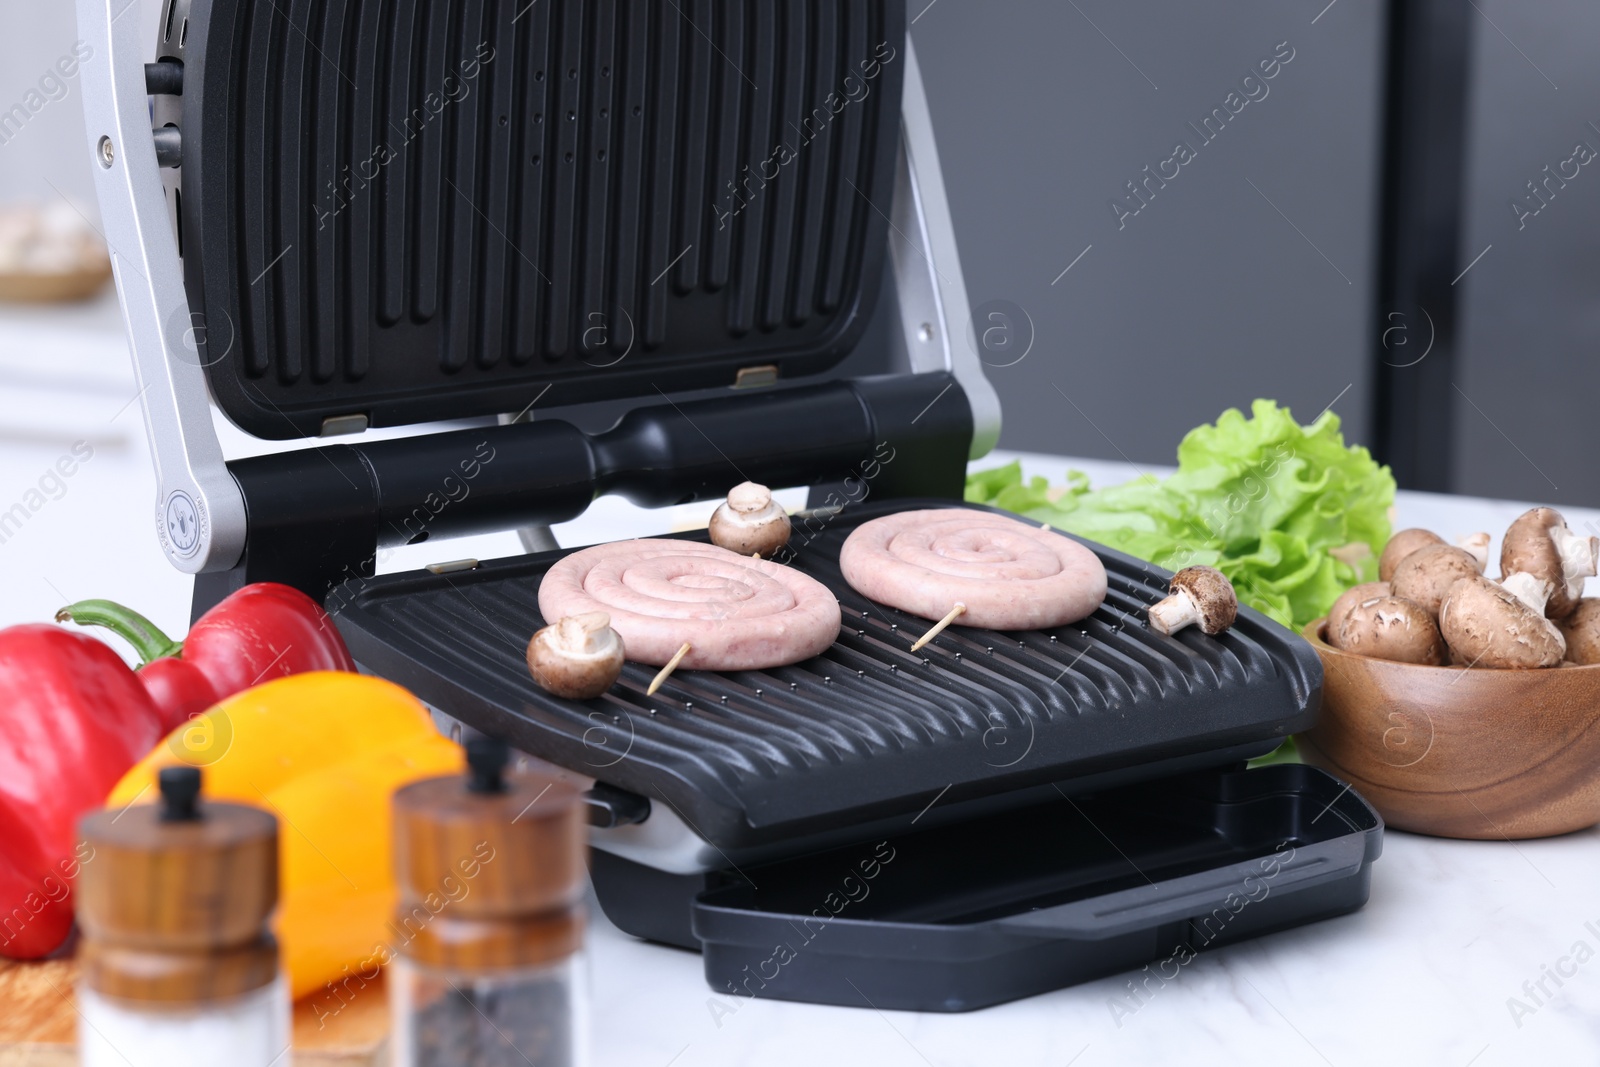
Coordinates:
490	969
178	966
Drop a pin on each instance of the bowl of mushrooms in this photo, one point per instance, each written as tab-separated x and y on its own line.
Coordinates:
1462	706
50	254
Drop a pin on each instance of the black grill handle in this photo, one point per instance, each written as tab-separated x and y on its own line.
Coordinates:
317	517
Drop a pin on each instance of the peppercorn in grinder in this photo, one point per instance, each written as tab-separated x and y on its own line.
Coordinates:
490	923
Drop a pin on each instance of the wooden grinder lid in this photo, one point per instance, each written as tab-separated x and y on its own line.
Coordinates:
174	897
490	866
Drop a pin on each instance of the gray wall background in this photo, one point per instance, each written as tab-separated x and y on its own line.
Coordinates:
1527	371
1209	297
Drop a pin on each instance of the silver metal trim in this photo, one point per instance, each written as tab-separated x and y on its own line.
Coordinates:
927	266
191	474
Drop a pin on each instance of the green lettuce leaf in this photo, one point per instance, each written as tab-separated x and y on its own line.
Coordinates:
1289	513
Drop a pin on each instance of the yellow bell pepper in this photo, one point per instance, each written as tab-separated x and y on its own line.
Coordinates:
324	752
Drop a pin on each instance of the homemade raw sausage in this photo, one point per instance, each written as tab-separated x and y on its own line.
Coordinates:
738	613
1009	574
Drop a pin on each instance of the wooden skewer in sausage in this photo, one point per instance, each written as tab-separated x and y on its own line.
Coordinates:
939	627
666	672
1010	574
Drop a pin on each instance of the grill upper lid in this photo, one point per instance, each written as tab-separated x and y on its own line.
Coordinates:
411	211
866	730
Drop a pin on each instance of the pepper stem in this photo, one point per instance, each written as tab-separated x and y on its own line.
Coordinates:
147	640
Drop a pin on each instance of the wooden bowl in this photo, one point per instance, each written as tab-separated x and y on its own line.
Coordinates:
1455	752
63	287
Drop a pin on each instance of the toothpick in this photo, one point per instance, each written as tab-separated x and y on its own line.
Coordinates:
666	672
938	627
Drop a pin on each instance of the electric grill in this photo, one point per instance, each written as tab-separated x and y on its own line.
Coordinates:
703	243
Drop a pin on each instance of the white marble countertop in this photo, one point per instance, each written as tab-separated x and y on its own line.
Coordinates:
1431	971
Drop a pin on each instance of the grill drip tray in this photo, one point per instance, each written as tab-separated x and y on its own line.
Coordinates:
866	732
1020	903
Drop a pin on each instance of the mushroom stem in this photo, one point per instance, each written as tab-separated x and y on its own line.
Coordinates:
585	635
666	672
1477	546
750	522
939	627
1578	557
1174	613
1534	592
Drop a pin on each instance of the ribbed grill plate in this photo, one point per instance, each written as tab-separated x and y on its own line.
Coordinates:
427	209
867	729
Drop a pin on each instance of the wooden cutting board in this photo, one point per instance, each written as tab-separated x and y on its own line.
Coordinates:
39	1022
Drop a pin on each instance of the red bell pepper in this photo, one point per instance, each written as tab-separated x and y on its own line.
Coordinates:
263	631
73	719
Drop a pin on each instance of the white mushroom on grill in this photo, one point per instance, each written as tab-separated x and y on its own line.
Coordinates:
1199	595
1539	543
1388	627
1426	575
750	522
578	657
1490	625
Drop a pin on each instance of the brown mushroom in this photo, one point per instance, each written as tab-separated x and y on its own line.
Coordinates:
1582	632
1427	574
1357	594
1541	544
1487	625
1402	545
750	522
1387	627
1200	595
578	657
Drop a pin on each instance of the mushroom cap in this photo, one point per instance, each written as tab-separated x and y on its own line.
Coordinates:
1488	627
1213	596
750	521
1402	545
577	657
1582	632
1388	627
1426	575
1356	594
1533	545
